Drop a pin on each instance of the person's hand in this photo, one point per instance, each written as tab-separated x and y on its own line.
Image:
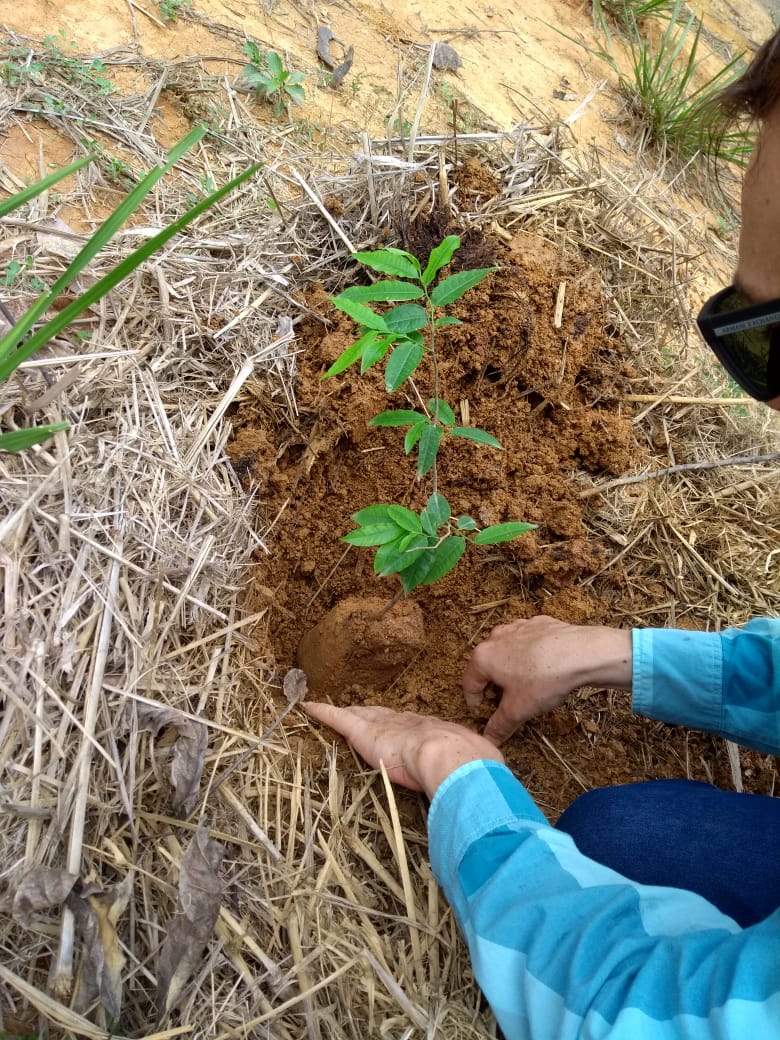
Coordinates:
418	751
538	662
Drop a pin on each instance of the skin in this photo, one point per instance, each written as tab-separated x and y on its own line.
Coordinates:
537	663
758	265
418	751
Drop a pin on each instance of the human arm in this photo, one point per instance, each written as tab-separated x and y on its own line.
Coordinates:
563	947
726	683
418	751
538	662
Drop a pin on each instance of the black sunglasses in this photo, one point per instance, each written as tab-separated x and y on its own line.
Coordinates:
745	338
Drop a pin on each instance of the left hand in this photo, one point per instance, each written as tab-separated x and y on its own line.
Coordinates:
418	751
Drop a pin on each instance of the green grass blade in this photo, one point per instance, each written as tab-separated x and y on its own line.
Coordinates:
15	201
113	278
106	231
20	440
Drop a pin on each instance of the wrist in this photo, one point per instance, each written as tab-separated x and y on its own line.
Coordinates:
606	657
442	755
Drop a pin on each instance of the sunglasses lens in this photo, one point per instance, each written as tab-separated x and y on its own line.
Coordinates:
750	353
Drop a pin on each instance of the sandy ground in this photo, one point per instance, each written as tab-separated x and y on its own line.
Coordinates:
515	64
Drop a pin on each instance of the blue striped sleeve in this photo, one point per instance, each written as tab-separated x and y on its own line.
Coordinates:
726	683
565	948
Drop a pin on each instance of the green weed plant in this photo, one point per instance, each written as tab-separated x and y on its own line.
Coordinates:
58	55
33	331
419	547
668	89
266	75
630	12
171	10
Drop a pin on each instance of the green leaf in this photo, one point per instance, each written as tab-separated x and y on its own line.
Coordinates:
447	319
467	523
361	314
403	361
434	564
376	514
351	354
275	65
15	201
502	533
374	352
258	80
118	273
295	93
440	257
385	291
430	439
445	413
20	440
373	534
399	417
472	433
252	52
389	261
295	78
408	317
400	556
389	558
405	518
438	508
456	285
413	435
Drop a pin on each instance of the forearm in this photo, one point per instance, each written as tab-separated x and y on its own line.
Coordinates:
726	683
564	947
604	658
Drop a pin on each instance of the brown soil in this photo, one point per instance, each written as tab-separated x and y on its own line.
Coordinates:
553	398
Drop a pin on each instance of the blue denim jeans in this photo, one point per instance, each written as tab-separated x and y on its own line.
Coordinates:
686	834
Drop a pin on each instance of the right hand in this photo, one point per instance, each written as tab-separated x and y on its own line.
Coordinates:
538	662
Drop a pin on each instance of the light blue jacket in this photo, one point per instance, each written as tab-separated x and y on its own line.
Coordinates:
565	949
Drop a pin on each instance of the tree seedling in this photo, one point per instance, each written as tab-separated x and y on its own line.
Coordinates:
419	547
268	77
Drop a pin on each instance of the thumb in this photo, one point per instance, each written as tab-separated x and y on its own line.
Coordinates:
474	683
500	726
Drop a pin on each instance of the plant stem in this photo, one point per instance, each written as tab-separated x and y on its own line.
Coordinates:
432	329
391	603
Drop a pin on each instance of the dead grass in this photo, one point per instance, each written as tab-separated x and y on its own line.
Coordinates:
126	545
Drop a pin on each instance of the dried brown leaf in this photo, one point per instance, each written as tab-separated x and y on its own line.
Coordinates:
97	915
200	897
295	685
189	752
40	889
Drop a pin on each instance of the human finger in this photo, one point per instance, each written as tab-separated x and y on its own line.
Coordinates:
474	681
379	735
502	724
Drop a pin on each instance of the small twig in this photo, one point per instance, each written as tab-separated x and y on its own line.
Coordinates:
295	690
63	971
684	467
559	302
322	210
680	399
423	95
134	4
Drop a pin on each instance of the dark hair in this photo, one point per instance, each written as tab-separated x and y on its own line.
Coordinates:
757	90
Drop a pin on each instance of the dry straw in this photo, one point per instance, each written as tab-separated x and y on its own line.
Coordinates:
126	545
